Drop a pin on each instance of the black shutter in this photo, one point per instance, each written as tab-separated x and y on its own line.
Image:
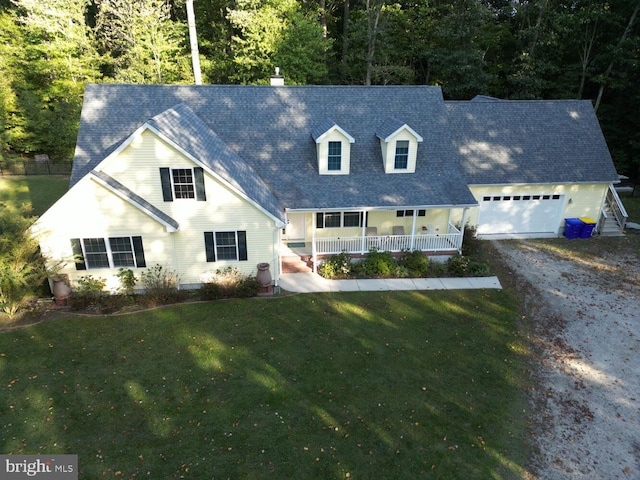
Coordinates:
165	178
242	246
77	254
209	246
198	174
139	252
319	220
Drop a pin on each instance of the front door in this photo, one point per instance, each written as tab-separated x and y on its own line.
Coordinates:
295	229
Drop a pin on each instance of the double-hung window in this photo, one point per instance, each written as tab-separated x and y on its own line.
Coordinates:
111	252
402	155
334	159
226	245
182	183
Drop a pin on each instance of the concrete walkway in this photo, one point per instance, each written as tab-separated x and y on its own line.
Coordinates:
310	282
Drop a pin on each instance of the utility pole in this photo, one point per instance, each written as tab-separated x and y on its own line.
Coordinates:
193	38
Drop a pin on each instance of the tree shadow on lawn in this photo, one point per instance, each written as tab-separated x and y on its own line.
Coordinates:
374	385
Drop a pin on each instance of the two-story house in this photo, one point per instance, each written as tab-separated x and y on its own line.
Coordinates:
196	178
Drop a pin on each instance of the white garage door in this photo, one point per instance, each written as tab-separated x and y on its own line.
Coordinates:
520	214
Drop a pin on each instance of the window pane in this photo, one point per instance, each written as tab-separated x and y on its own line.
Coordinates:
226	246
122	251
95	253
335	156
352	219
332	219
402	154
183	185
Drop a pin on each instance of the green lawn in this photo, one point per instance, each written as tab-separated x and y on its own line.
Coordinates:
323	386
37	193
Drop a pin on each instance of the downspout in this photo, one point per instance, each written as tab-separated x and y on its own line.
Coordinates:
175	257
277	258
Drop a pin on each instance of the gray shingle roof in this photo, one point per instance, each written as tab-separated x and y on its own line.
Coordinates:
183	127
262	136
533	141
270	129
140	202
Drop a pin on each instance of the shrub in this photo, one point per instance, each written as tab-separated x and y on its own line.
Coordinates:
471	245
248	287
336	266
377	264
457	265
22	267
478	269
160	285
128	281
89	294
223	284
415	263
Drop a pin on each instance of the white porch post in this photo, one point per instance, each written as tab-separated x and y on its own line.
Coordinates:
462	225
314	254
363	243
413	229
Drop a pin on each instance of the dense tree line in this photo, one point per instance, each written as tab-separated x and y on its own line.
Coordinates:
516	49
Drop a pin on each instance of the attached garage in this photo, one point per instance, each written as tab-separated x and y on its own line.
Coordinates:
524	214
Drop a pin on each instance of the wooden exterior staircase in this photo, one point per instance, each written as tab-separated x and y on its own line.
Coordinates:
614	216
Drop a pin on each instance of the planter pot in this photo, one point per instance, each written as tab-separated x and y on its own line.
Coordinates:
264	275
264	279
61	291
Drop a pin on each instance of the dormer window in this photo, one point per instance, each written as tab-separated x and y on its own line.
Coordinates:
399	146
333	146
402	155
334	157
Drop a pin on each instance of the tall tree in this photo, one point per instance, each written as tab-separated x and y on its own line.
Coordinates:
276	33
142	42
55	58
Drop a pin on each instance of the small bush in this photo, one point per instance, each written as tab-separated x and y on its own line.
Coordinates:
415	262
457	265
223	284
377	264
128	281
336	266
89	294
478	269
248	287
160	285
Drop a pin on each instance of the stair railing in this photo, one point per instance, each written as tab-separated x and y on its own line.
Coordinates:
616	206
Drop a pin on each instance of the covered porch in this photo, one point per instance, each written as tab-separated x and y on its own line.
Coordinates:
313	235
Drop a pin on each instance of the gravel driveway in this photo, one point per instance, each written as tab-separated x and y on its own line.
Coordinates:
582	315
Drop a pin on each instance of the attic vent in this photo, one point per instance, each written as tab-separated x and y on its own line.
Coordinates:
277	79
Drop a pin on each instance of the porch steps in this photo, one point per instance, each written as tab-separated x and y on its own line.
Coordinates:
296	264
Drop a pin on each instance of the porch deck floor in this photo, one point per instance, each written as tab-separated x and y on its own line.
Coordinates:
311	282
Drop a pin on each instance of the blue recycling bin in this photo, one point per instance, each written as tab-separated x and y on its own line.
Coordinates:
589	224
573	227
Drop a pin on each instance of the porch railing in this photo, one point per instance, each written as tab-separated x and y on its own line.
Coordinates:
392	243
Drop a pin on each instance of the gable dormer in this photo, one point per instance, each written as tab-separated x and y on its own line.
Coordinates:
333	148
399	145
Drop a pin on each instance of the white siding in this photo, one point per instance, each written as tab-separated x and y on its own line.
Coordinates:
91	210
579	200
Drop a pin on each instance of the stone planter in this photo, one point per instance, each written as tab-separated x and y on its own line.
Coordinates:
264	279
61	291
